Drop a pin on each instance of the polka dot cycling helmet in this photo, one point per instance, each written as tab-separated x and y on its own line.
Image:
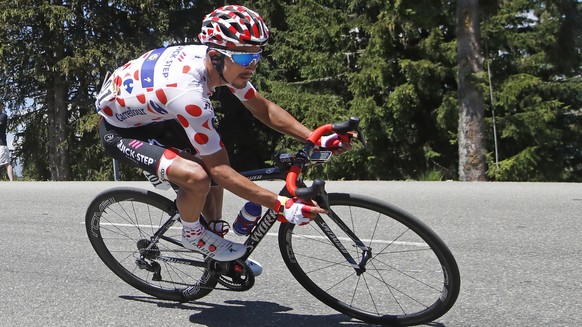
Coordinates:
233	26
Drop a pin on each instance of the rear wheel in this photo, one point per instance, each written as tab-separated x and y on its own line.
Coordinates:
120	224
407	275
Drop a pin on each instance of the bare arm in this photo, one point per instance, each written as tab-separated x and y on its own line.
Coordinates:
217	164
276	117
221	172
219	169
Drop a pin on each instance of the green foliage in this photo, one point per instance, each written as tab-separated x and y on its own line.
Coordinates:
537	95
54	55
392	63
405	83
519	167
433	175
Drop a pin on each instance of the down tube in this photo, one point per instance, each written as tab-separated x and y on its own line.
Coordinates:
259	232
336	242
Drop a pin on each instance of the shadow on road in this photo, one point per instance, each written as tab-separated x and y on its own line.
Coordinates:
249	313
253	313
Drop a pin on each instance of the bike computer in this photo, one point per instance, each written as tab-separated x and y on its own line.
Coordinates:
320	156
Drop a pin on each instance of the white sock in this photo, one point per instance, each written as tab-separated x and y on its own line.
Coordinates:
192	229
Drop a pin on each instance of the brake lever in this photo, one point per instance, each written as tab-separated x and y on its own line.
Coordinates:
361	137
310	192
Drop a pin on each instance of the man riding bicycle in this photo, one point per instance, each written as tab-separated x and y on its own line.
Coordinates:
156	114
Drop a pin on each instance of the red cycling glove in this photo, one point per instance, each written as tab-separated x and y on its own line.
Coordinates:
293	210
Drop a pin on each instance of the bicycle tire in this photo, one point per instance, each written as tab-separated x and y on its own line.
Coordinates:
412	277
119	218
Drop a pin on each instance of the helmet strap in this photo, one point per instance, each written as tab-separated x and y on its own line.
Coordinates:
218	64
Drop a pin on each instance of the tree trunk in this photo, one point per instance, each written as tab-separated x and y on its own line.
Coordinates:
61	133
57	92
472	150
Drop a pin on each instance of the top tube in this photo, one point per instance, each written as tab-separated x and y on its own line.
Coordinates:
264	174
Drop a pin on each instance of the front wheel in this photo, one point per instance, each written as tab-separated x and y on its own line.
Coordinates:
121	223
402	272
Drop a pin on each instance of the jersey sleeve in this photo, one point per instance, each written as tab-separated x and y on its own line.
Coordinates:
244	94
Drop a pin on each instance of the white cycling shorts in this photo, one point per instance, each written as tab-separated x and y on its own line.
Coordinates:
4	155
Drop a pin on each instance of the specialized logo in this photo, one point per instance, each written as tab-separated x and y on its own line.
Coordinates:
261	230
148	68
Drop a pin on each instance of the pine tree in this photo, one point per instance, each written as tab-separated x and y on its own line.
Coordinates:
536	91
54	55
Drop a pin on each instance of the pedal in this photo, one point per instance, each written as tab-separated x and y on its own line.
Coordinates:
219	227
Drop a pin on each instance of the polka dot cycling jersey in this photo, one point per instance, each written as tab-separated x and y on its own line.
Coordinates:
164	84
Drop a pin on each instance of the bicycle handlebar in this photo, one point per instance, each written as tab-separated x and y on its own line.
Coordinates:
352	125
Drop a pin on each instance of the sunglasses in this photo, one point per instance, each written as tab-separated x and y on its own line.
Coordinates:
242	58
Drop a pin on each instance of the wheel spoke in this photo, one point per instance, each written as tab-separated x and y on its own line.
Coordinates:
401	283
128	216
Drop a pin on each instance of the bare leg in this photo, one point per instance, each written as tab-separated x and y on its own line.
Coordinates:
9	172
194	185
212	210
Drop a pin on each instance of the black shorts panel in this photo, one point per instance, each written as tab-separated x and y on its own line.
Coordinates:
143	146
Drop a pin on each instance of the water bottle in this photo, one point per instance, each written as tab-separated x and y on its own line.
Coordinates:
245	221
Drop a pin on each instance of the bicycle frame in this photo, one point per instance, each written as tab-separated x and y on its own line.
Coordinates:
270	217
288	168
411	267
266	222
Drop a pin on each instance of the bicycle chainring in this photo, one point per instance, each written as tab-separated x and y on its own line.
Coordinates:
234	275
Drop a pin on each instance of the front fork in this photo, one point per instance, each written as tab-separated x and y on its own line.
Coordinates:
360	267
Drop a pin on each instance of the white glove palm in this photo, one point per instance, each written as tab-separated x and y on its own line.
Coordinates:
294	210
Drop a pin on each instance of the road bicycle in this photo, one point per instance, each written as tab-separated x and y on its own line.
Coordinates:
366	258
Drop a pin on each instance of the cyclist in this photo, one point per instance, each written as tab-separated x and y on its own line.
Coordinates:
156	107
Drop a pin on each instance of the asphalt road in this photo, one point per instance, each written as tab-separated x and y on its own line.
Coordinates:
518	246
